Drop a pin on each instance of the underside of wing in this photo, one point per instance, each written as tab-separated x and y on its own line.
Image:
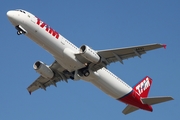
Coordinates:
120	54
42	82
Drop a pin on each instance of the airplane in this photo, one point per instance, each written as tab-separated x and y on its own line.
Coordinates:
84	63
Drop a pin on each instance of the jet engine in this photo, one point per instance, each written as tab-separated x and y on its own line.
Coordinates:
43	69
89	54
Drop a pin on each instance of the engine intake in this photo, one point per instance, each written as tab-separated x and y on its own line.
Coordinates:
43	70
89	54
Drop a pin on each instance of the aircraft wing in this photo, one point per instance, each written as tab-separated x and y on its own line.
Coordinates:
42	82
120	54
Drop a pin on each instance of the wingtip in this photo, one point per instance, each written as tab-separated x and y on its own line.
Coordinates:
171	98
30	92
164	45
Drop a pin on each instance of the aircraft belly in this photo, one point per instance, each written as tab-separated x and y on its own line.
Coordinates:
70	60
110	84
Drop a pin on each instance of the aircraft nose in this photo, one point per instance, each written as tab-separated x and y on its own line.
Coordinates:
10	14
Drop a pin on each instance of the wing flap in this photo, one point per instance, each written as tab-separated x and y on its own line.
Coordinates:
129	109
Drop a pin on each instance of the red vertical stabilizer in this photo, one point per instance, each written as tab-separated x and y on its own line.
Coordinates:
143	87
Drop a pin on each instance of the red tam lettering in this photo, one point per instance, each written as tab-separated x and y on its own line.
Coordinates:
43	24
54	33
48	29
38	21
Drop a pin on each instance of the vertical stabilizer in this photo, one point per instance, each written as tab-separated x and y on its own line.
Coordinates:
143	87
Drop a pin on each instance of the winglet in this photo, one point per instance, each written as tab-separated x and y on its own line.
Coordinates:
30	92
164	45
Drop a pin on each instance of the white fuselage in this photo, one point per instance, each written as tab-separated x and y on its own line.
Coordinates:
63	51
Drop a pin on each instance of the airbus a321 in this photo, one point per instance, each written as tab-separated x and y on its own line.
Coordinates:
84	63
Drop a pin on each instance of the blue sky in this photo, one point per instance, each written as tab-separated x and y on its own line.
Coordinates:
100	24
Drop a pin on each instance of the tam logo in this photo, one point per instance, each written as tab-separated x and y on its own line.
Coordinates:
48	28
143	85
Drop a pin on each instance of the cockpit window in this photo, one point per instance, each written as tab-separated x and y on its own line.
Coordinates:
21	11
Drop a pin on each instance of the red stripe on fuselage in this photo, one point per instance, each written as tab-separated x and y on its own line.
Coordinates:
133	99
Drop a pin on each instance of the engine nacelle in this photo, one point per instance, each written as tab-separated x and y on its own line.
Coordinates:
43	69
89	54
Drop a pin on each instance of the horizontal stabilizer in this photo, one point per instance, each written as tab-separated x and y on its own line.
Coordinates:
129	109
155	100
